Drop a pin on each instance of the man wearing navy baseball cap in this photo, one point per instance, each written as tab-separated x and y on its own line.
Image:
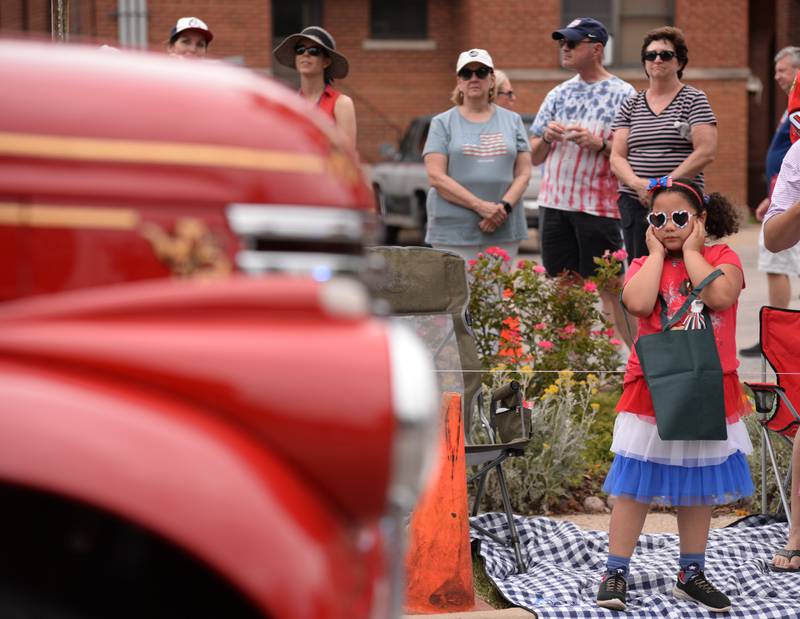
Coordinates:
578	214
583	28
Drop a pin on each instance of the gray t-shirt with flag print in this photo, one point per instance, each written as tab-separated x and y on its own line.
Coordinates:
480	157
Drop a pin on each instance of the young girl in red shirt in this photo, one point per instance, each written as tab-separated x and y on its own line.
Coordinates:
691	475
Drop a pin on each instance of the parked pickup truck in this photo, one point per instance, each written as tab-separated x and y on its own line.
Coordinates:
401	183
200	415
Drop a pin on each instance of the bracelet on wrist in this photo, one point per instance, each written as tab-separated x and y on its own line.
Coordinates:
544	139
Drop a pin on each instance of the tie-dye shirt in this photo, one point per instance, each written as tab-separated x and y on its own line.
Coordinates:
574	178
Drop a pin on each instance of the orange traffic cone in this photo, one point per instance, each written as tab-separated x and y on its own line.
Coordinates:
439	562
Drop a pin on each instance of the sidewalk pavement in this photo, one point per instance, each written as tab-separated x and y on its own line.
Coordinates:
745	244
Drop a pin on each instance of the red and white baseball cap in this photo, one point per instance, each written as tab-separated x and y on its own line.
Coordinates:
190	23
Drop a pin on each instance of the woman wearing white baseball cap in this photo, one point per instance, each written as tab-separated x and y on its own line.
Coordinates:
189	37
312	53
478	160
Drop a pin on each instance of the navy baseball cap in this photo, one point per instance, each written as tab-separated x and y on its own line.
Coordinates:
583	28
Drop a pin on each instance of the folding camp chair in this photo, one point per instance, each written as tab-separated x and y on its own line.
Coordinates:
428	289
780	345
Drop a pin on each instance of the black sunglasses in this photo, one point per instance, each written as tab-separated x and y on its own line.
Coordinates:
313	50
659	220
573	44
481	72
665	55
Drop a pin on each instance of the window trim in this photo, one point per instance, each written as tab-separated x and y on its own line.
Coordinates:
615	7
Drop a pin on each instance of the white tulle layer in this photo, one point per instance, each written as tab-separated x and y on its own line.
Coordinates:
636	437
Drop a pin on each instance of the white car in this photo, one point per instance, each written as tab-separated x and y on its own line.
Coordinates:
401	183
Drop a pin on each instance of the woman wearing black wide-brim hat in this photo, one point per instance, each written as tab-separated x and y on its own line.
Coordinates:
312	53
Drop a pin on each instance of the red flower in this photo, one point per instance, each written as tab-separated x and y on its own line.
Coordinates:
499	252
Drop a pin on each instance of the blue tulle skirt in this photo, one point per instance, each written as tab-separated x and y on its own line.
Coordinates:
666	484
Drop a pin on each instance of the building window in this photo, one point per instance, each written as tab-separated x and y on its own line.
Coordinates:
627	22
290	16
390	19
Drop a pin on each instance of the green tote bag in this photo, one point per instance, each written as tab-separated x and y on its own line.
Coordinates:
684	374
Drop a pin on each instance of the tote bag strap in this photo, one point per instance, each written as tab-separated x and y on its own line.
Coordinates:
666	324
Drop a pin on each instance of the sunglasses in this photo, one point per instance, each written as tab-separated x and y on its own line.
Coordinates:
506	93
562	43
481	72
312	50
665	55
659	220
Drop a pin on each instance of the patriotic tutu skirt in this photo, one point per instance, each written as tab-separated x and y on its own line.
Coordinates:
677	473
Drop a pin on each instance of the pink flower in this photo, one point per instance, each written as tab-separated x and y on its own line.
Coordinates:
538	268
471	263
546	344
614	342
500	253
606	253
540	326
609	332
620	254
522	264
597	333
590	287
569	329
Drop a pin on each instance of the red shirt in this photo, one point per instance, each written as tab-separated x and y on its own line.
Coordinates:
672	288
327	100
636	396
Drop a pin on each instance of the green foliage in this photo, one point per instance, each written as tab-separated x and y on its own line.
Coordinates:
783	456
484	587
597	453
529	326
549	334
554	462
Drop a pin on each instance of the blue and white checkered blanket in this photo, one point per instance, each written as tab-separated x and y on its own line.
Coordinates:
565	564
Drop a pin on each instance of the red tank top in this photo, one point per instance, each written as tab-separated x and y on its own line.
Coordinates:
327	100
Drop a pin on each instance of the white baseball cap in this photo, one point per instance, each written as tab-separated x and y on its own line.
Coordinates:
474	55
191	23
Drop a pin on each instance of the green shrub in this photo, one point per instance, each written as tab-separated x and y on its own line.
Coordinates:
783	455
548	334
528	326
554	462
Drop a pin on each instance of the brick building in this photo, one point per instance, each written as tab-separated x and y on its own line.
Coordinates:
402	54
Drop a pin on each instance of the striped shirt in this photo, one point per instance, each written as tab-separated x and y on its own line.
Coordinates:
659	143
574	178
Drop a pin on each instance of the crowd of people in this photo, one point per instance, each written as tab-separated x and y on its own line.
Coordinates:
620	169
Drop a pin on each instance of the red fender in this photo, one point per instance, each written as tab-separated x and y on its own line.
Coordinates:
195	480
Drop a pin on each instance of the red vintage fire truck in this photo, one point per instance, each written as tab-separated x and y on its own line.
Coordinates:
199	415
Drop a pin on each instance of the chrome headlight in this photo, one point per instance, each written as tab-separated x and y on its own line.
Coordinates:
289	238
415	397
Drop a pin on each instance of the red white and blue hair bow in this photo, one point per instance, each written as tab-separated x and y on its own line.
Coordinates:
664	182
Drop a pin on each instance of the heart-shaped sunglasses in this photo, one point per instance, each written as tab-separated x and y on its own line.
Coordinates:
659	220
